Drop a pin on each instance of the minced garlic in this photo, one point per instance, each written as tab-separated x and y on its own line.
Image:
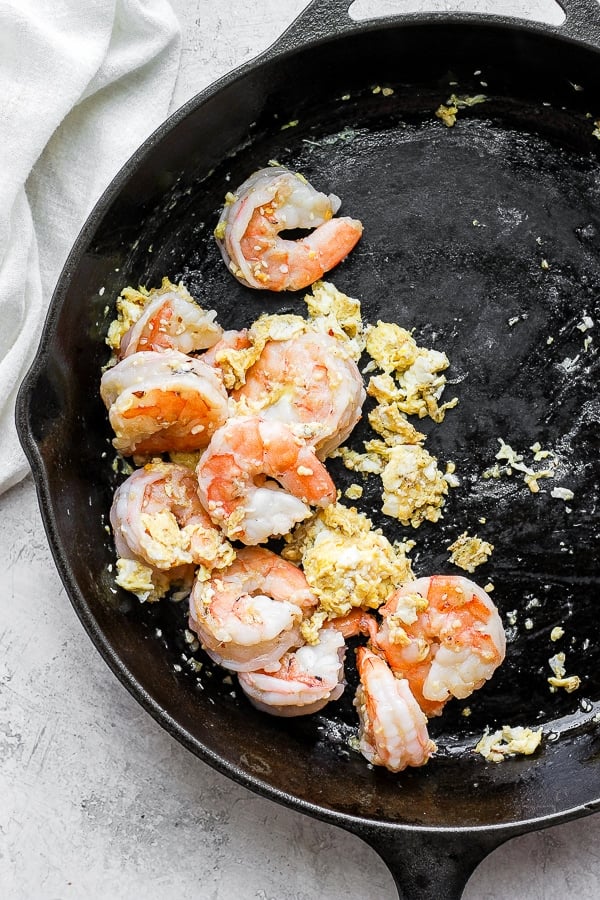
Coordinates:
515	462
469	551
448	111
560	679
509	741
569	683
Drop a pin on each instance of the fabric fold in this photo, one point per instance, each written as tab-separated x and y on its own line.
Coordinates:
81	87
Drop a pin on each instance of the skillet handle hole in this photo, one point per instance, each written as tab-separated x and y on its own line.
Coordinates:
547	11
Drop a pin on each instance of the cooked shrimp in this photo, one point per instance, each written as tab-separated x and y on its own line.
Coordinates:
171	320
270	201
157	517
235	479
306	680
444	635
356	622
163	401
247	615
229	340
393	729
310	380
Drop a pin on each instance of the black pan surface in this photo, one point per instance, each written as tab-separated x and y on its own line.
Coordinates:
485	239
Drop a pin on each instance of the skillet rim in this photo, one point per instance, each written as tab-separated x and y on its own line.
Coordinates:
279	50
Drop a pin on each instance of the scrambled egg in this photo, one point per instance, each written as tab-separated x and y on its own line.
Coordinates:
410	384
561	493
391	347
173	545
390	422
408	608
370	463
508	741
418	389
325	300
130	305
418	384
346	562
413	486
149	585
468	552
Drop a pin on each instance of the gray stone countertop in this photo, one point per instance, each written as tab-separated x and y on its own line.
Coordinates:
96	800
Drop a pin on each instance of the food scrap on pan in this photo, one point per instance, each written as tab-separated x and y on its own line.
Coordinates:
515	462
508	741
559	678
469	551
448	111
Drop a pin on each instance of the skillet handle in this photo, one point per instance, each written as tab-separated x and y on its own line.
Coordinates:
582	20
327	18
320	19
431	865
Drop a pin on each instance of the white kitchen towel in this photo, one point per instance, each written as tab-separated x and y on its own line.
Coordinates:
82	84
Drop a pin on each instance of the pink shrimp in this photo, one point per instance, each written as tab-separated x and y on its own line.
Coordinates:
163	401
393	729
229	340
273	200
444	635
171	320
236	486
356	622
248	615
310	380
307	678
157	517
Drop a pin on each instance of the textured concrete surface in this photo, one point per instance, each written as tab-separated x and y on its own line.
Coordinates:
96	801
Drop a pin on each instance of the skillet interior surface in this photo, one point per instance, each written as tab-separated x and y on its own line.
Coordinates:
484	238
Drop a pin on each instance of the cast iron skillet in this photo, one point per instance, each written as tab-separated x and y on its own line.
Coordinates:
458	224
